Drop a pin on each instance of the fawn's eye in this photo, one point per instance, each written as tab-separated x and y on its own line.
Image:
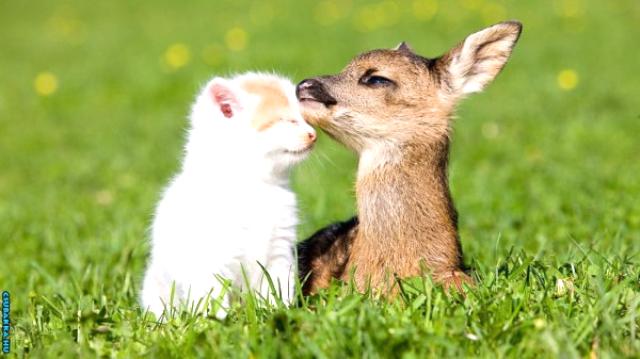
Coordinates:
375	81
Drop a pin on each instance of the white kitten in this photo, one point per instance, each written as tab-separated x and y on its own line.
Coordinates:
230	207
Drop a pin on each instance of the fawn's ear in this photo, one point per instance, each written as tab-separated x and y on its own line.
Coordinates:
403	47
224	97
475	62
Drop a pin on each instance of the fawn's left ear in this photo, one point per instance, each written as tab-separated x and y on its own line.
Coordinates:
403	47
475	62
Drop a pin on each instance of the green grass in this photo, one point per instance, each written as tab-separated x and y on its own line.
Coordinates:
545	179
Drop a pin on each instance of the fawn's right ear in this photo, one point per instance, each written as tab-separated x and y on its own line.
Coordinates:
475	62
224	97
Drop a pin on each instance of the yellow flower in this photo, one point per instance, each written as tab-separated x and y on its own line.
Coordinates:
45	83
425	9
391	11
570	8
177	56
567	79
539	323
365	19
328	12
371	17
104	197
236	38
68	28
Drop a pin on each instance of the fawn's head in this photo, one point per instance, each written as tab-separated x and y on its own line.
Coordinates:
394	96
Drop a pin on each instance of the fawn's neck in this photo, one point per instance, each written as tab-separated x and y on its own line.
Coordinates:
405	207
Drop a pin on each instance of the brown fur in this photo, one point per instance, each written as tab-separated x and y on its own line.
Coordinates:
272	104
407	219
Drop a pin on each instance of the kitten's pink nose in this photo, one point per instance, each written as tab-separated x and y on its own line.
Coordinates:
311	136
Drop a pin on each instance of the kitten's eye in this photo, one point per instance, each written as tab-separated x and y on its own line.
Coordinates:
376	81
292	121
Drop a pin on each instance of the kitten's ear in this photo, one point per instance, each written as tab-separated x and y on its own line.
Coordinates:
474	63
224	97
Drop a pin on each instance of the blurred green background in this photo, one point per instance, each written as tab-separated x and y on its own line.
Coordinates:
94	98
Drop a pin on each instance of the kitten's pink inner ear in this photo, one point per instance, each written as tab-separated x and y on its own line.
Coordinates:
226	110
225	99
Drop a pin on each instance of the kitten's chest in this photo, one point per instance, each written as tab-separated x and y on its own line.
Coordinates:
269	220
240	214
270	207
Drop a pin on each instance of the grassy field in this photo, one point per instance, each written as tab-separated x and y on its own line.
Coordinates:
544	172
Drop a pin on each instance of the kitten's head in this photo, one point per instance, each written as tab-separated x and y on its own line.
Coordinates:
257	114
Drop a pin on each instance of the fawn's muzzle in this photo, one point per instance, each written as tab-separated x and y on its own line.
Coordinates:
314	90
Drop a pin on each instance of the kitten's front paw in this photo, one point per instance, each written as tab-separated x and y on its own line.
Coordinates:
283	285
156	307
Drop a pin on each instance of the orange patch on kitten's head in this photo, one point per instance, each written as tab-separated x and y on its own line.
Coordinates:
274	104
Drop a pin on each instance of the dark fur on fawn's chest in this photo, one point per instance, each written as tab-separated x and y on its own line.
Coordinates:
325	254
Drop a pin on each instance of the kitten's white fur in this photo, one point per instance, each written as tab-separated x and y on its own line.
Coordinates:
230	207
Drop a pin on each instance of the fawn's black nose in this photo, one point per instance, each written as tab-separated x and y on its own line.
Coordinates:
307	83
314	90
